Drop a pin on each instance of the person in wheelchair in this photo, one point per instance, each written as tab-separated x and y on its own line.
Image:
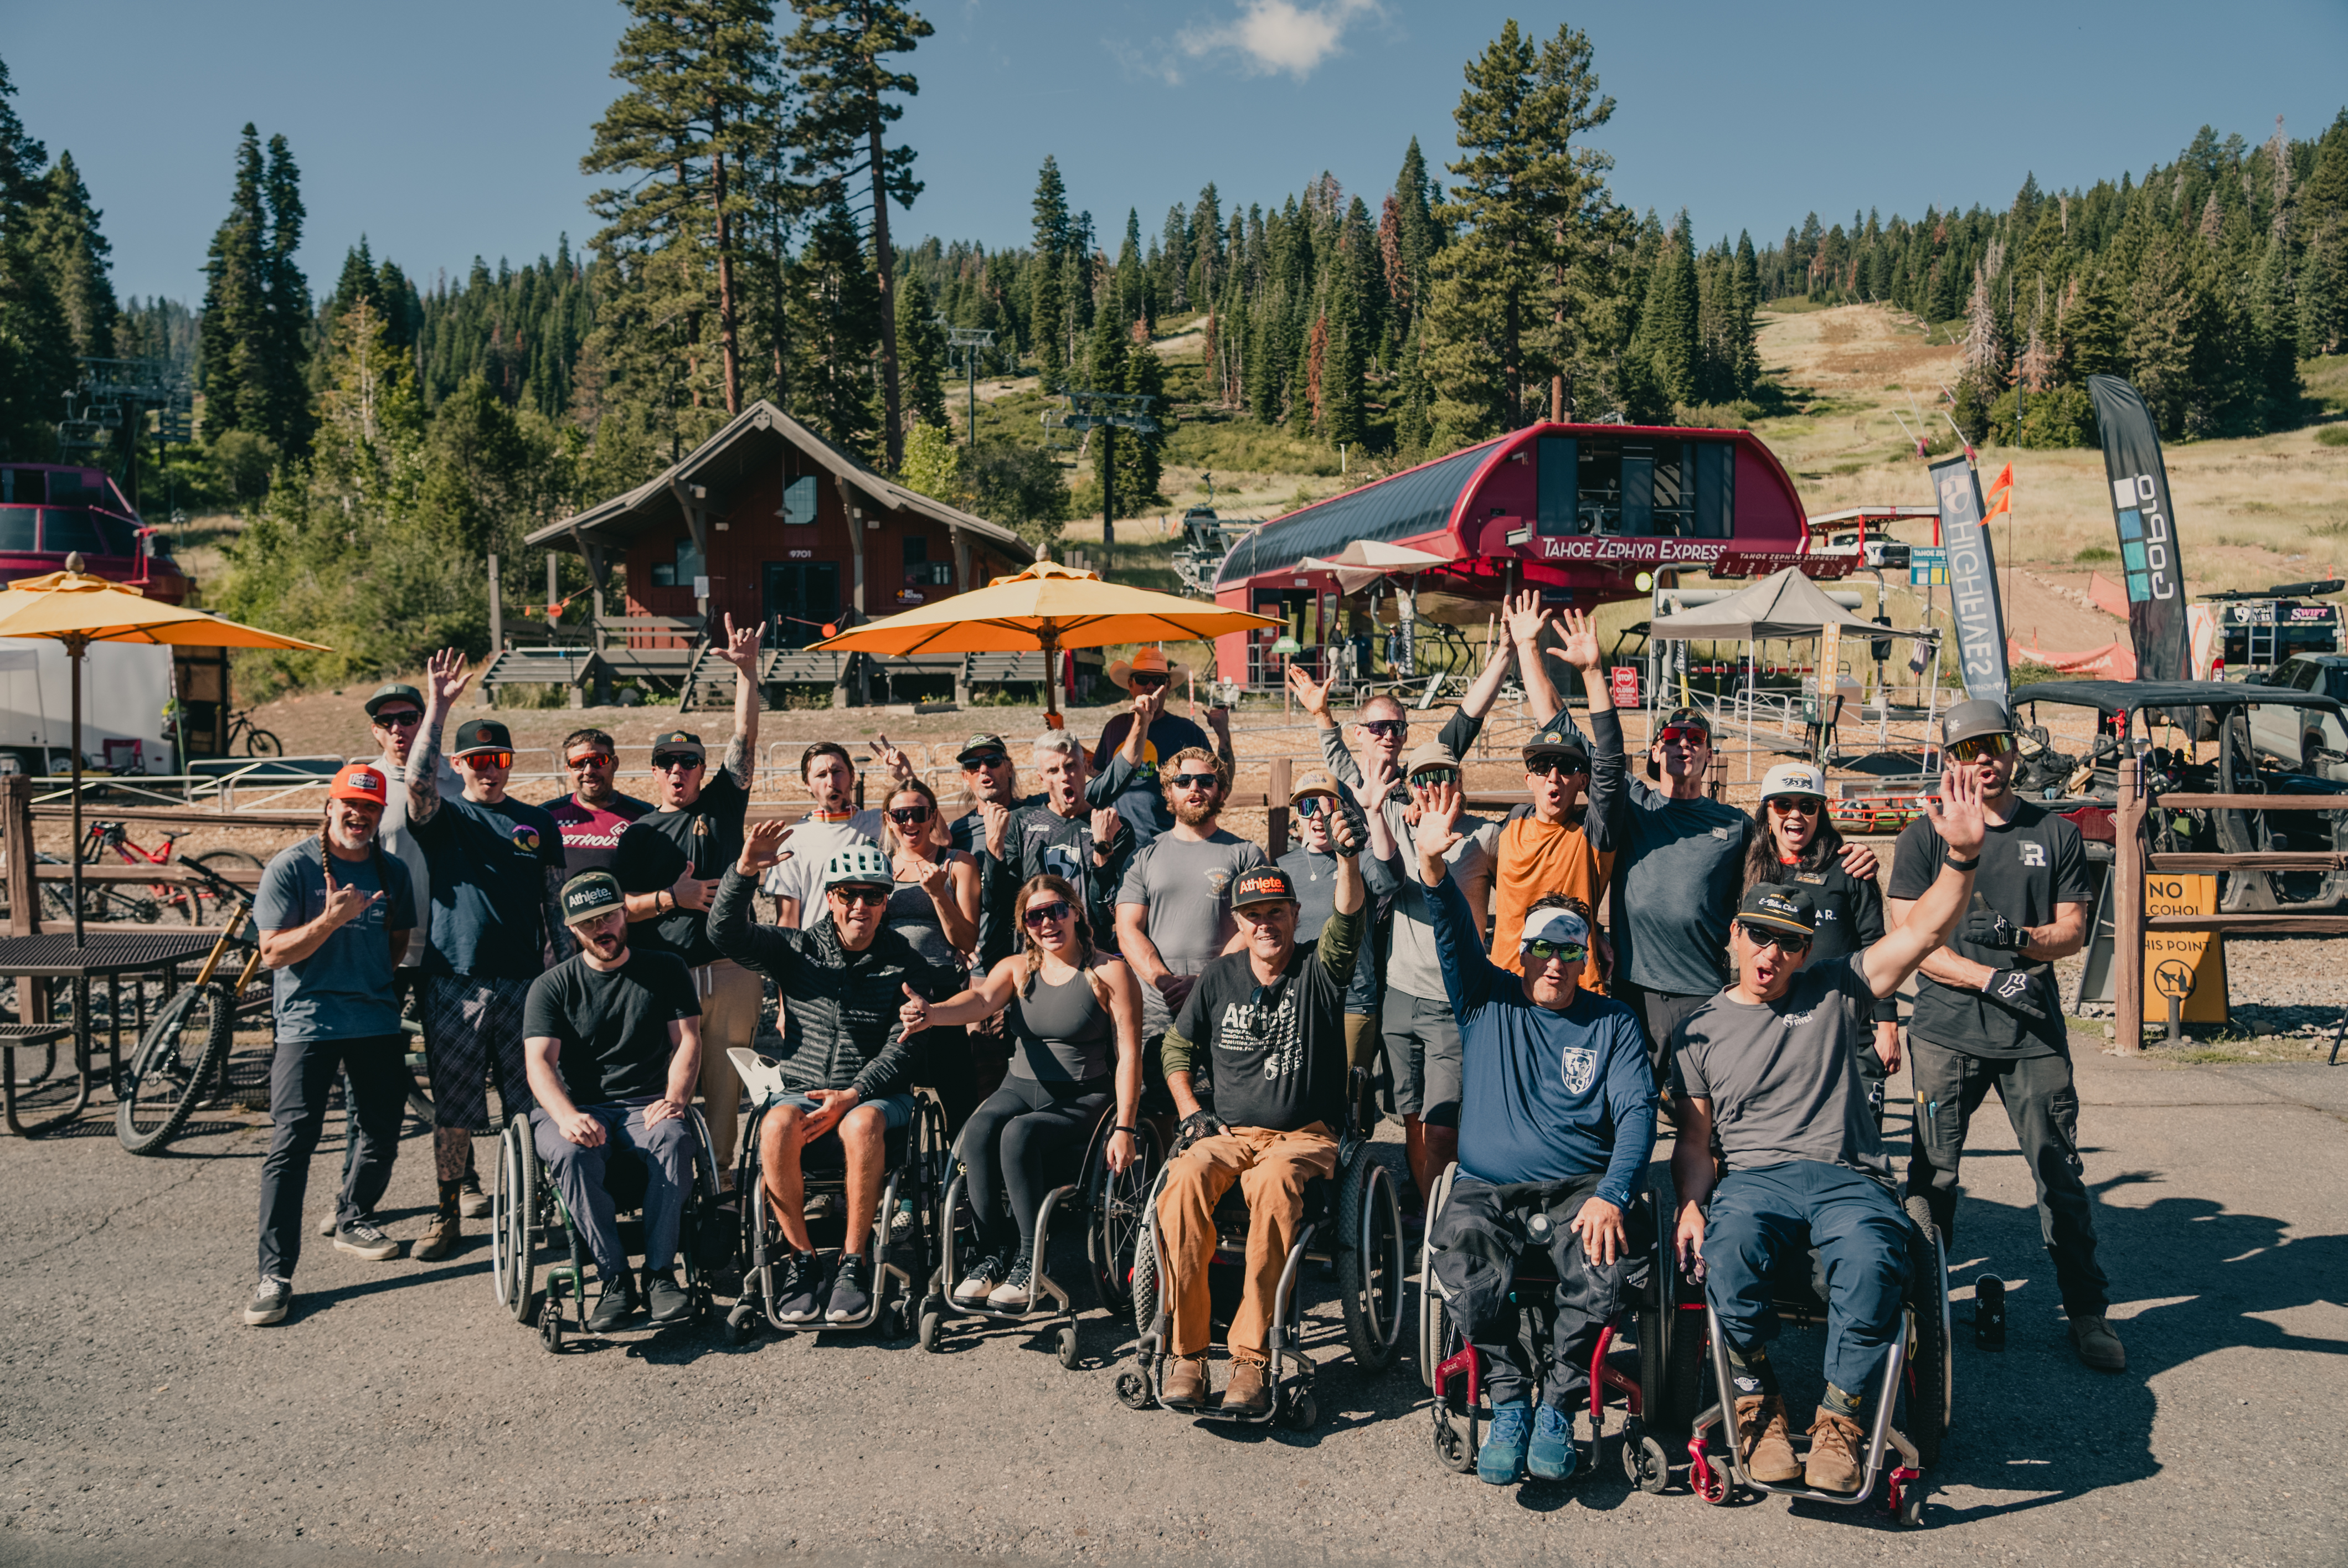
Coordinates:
1769	1070
1557	1118
1075	1023
611	1041
845	1064
1267	1026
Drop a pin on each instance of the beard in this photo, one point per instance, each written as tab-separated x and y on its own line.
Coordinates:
1190	815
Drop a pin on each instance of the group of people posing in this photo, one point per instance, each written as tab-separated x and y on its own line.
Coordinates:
1042	960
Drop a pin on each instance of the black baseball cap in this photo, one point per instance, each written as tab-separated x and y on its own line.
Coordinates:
1785	908
481	735
1262	885
589	894
979	745
390	690
1558	738
1694	716
671	742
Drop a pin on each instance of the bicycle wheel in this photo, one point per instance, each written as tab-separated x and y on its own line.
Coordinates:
195	902
181	1050
260	743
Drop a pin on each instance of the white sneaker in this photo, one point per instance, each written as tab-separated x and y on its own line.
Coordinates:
981	1277
1016	1290
326	1224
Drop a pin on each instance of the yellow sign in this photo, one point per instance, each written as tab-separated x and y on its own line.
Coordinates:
2187	965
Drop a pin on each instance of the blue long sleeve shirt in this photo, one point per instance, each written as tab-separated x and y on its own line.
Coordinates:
1546	1096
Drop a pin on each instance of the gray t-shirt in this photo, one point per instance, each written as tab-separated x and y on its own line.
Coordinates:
812	844
1316	876
1186	885
341	991
1783	1078
1679	868
393	834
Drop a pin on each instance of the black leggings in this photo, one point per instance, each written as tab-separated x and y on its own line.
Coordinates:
1007	1144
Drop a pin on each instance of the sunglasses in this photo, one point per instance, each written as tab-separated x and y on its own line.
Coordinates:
909	816
1980	746
1193	781
1264	1000
1039	915
1428	778
984	760
1142	682
400	720
1796	805
1684	735
589	759
487	759
1784	941
874	897
1310	806
1543	767
674	760
1394	729
1542	951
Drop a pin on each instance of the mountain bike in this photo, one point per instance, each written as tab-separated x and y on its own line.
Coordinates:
187	1044
193	902
258	741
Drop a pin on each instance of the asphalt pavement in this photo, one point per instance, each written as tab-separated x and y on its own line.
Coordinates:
399	1411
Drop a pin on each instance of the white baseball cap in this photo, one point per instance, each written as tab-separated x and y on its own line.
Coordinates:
1553	924
1793	778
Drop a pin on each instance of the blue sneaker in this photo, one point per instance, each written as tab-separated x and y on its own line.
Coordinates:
1553	1454
1501	1459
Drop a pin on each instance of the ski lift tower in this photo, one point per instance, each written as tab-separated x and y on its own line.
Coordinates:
969	340
1107	413
108	408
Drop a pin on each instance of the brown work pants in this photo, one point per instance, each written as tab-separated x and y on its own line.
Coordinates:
1271	1169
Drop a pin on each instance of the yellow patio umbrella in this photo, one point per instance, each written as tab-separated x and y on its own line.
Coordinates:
75	609
1048	605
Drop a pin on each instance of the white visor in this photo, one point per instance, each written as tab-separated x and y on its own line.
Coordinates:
1554	925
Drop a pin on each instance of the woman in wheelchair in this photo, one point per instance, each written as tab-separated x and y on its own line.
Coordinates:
1769	1066
1075	1021
611	1039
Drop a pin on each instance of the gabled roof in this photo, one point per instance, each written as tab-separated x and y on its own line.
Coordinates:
717	461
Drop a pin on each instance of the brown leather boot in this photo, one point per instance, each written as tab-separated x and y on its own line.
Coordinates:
1250	1391
1186	1383
1835	1442
1765	1438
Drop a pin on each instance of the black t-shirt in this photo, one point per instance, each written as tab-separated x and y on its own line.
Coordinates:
1280	1063
614	1024
705	837
2028	866
1850	916
489	866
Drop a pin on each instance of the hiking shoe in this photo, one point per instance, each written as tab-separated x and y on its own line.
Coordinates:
471	1202
852	1296
620	1303
2097	1346
798	1288
361	1239
669	1301
1501	1459
1017	1292
978	1279
1834	1453
1553	1454
1249	1390
270	1300
1767	1441
1186	1383
438	1240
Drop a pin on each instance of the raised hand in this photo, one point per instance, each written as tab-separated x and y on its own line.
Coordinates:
1312	695
1438	821
1378	776
900	766
1956	815
345	902
997	820
762	845
1578	640
446	677
741	648
1342	834
1148	704
1524	617
1106	825
937	879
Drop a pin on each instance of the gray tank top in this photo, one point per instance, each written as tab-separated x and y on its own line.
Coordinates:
1063	1033
913	916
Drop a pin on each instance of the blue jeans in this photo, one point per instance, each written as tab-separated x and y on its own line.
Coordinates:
665	1152
1761	1218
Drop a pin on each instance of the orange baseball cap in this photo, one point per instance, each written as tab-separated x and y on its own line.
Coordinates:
360	780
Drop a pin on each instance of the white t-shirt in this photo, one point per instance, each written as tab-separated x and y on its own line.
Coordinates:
810	847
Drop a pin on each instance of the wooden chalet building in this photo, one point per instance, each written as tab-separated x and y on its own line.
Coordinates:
772	523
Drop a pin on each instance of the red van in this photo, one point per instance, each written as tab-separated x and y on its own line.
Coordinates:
47	511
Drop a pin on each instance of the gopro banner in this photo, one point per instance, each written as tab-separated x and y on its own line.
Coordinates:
2155	576
1973	582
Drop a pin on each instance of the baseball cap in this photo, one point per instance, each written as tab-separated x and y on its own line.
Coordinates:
1553	925
360	780
674	741
1974	716
481	735
1432	754
1314	783
389	690
1262	885
1695	717
978	745
589	894
1558	738
858	865
1793	778
1786	908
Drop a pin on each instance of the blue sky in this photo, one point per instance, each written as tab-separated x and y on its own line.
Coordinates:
443	130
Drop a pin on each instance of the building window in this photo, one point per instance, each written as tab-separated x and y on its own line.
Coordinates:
799	502
920	571
680	572
1644	488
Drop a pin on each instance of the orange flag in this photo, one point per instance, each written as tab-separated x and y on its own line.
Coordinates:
2001	503
2004	480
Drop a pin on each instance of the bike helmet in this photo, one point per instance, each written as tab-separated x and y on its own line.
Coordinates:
861	865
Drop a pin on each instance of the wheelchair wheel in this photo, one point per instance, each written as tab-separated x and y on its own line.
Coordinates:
1372	1264
1430	1314
1930	1374
514	1217
1119	1210
1143	1291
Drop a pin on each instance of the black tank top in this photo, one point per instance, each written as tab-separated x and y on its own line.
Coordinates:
1062	1031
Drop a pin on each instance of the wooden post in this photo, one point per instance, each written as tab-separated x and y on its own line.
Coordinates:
1277	817
2128	911
16	843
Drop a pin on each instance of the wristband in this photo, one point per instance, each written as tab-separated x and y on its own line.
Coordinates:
1129	1131
1953	864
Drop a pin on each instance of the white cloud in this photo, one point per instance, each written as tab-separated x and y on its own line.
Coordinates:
1279	34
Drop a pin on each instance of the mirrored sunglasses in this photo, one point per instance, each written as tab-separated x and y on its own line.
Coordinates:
1427	778
1311	806
589	759
1795	805
1394	729
1980	746
1684	735
1542	951
486	759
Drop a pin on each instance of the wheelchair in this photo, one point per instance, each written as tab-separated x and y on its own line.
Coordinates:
1353	1222
1108	1204
905	1225
1916	1364
528	1214
1453	1370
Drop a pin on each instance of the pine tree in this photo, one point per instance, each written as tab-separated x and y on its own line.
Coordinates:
924	343
36	346
286	321
66	238
1141	455
1667	321
835	327
1046	304
236	306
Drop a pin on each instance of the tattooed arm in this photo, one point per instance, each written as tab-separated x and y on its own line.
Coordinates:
445	679
741	651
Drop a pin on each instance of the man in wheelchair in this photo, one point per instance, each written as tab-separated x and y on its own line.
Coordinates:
611	1041
1767	1078
1267	1025
1557	1118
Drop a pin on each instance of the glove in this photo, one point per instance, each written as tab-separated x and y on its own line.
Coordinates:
1352	815
1197	1125
2020	991
1985	927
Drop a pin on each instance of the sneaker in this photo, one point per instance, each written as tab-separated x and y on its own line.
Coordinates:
669	1301
472	1203
1553	1454
1835	1442
820	1206
1249	1392
621	1302
326	1225
2097	1346
1017	1289
1186	1383
361	1239
798	1288
1501	1459
851	1300
978	1279
438	1240
270	1300
1768	1441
